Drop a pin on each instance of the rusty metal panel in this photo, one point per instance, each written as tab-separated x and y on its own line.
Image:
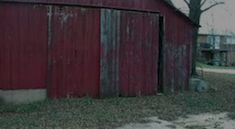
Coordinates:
177	53
74	52
110	44
23	50
129	53
138	53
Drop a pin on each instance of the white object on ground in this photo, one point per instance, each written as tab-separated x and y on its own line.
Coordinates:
207	121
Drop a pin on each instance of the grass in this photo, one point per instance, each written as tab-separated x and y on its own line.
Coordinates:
109	113
213	67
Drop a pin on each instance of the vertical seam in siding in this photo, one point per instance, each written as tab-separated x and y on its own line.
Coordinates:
118	50
49	41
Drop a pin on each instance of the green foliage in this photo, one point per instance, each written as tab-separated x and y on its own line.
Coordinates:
21	108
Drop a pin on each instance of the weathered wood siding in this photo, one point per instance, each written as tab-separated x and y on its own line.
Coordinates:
129	53
110	50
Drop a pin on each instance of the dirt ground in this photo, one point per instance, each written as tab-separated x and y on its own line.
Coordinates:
203	121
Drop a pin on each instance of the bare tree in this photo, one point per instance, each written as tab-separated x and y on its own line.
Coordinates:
196	8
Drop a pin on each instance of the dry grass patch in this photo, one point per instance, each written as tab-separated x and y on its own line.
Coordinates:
109	113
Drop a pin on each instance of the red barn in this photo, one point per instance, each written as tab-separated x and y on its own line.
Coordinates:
102	48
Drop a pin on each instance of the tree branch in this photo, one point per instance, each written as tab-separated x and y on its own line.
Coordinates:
217	3
203	3
187	3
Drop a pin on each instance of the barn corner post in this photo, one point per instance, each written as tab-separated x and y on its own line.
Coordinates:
109	52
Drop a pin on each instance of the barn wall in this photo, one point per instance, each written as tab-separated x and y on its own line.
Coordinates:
139	53
74	52
177	35
177	50
129	53
23	55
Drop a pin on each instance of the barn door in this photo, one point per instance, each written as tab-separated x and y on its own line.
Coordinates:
129	53
74	52
139	53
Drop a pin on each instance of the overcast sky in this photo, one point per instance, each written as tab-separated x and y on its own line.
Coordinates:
220	18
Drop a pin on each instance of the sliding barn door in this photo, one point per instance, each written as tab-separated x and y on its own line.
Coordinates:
129	53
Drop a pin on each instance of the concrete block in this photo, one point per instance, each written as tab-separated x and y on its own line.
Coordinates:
199	85
22	96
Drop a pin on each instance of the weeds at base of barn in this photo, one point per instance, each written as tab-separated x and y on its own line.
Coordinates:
109	113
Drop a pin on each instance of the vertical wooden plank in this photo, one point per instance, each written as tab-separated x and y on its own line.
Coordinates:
110	44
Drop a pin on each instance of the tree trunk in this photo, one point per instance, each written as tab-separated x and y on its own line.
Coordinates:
194	51
195	14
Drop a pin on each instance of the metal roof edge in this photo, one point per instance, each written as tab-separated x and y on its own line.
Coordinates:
110	7
181	13
77	4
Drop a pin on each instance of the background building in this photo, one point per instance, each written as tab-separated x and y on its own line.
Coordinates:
217	49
